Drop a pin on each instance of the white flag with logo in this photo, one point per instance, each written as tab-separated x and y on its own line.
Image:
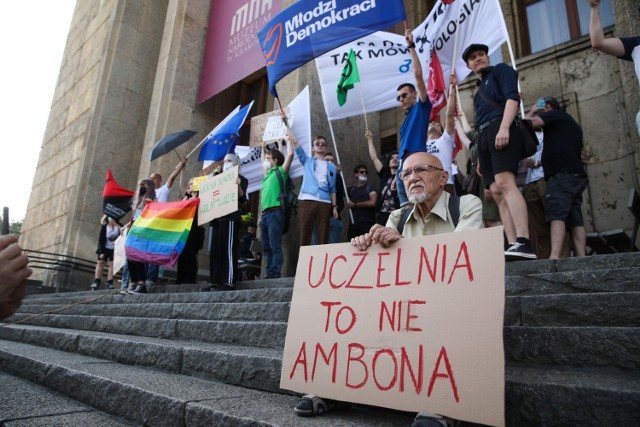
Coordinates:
481	21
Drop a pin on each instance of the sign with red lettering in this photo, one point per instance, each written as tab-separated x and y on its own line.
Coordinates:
417	326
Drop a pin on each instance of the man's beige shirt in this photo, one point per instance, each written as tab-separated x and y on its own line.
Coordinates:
439	221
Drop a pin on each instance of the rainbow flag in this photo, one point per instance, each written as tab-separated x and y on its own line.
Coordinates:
159	234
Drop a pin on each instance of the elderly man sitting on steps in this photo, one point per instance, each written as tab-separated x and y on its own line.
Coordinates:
434	211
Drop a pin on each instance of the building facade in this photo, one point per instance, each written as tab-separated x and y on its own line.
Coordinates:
132	71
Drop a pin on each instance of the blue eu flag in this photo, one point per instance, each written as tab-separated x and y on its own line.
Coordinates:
225	138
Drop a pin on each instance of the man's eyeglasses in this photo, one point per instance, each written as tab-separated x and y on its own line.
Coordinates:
403	95
363	172
419	170
320	144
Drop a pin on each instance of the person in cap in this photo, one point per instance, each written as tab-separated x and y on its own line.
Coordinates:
564	173
500	144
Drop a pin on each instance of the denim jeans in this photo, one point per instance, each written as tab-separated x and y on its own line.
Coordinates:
335	230
271	224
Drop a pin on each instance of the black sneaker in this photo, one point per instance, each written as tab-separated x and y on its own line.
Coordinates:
110	285
224	287
140	289
95	285
209	288
519	251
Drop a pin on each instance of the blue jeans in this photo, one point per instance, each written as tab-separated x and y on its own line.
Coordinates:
335	229
271	225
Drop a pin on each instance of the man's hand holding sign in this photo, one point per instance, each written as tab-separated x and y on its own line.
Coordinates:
406	323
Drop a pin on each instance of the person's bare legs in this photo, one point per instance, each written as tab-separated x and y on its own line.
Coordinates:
558	230
513	205
579	237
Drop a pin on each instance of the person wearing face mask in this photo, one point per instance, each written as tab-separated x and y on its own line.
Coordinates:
272	218
362	202
137	272
225	248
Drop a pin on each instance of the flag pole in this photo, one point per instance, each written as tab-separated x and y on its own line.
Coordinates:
364	111
455	40
344	184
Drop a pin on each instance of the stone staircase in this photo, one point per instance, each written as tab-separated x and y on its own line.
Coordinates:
178	357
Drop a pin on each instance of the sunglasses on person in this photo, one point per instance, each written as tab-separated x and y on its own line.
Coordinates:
419	170
402	96
362	172
320	144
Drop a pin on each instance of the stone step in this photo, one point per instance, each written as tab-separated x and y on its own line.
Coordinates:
534	395
33	405
268	334
574	346
581	281
253	311
150	397
245	366
585	397
589	309
278	294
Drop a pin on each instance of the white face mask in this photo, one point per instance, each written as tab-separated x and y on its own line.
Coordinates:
362	178
227	166
266	165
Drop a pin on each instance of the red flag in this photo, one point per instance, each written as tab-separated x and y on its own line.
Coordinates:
447	1
116	201
435	87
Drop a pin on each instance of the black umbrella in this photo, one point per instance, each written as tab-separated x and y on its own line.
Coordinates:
170	142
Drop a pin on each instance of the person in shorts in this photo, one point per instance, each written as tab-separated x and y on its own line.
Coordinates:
109	232
500	145
564	172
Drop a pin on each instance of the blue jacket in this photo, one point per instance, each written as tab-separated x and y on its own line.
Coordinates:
310	183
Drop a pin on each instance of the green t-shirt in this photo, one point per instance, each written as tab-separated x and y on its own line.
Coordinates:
270	194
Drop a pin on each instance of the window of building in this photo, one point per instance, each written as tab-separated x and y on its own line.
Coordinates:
547	23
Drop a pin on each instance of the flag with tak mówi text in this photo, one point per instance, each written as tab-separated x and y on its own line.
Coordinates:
350	76
159	234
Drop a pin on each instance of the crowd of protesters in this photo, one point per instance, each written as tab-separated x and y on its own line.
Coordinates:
542	216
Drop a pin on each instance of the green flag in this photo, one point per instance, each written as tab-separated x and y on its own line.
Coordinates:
348	78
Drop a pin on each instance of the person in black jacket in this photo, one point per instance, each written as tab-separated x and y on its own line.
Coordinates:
224	250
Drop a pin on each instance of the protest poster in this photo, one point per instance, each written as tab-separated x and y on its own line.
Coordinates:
268	127
417	326
119	255
197	181
218	196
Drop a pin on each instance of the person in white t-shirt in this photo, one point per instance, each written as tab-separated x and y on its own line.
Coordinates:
441	141
163	192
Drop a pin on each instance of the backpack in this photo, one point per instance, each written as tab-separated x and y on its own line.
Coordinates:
454	210
288	199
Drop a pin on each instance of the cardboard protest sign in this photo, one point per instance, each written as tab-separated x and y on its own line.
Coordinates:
218	196
268	127
417	326
197	181
119	255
